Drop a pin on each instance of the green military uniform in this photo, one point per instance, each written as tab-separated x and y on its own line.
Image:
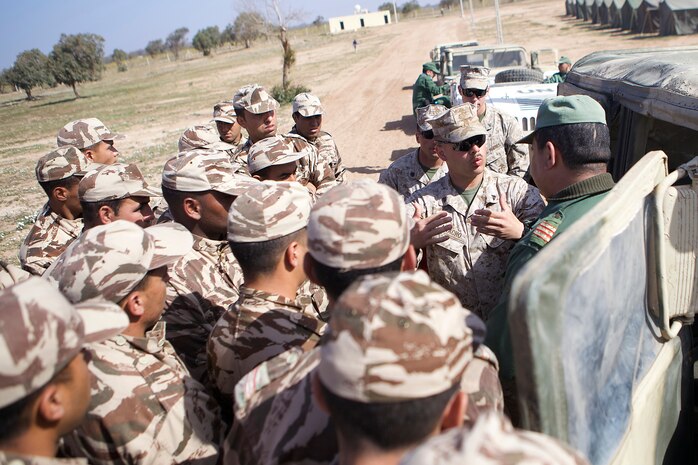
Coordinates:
425	88
555	78
563	209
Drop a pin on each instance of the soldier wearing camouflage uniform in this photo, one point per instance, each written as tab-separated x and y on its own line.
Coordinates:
92	137
493	441
267	233
203	136
471	261
44	379
199	187
415	170
356	229
145	406
275	159
116	192
60	220
307	114
506	155
256	112
227	124
391	365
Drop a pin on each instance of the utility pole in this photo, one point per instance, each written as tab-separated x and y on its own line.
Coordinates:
472	18
395	12
500	34
462	13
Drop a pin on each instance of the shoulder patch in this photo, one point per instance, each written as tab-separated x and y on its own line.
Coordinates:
545	230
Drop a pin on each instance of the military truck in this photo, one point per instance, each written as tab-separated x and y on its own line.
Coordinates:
602	318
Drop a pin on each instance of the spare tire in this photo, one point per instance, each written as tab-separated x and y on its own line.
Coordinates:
519	75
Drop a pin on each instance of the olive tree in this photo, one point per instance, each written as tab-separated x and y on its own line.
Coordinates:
120	57
155	47
207	39
249	26
30	70
176	40
77	58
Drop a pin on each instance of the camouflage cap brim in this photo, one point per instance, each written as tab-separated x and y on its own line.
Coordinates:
111	136
259	163
225	119
172	242
263	107
461	134
307	112
480	84
101	319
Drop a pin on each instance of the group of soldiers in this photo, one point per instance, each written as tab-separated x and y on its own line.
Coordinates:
259	308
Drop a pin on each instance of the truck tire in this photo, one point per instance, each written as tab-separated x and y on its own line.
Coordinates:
519	75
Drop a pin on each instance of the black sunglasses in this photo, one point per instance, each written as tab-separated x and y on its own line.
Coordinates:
477	92
467	144
428	134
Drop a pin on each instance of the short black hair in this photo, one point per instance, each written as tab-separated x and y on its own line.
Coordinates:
15	418
49	186
90	210
388	425
337	280
581	144
260	258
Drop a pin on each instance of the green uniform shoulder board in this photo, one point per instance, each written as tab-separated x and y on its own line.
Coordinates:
545	230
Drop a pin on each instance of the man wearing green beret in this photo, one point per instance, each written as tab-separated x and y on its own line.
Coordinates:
425	91
570	150
563	65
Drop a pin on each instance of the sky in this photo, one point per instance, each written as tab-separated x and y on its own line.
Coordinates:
130	24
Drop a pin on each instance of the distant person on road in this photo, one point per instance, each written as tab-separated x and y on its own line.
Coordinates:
563	65
425	91
570	150
504	155
355	43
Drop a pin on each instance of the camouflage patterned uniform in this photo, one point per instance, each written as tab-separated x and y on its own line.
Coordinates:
307	105
255	99
261	325
205	282
492	440
114	182
225	112
145	407
205	136
51	233
468	263
503	131
41	333
406	175
84	133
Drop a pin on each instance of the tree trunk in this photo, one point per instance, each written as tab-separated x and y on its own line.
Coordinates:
289	58
75	89
29	93
247	43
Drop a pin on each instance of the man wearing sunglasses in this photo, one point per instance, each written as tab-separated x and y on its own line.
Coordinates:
503	131
470	262
422	166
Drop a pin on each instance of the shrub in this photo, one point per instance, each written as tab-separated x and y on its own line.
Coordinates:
286	95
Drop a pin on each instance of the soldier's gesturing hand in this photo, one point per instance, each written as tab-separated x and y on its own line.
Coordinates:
503	224
426	231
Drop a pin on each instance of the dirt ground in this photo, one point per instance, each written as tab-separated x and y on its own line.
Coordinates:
367	95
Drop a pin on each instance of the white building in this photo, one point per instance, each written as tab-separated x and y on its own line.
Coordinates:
358	21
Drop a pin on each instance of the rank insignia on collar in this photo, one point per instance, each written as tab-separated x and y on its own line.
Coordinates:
545	230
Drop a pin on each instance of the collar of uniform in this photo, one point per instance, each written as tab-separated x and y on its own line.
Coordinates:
487	119
249	293
484	194
12	459
152	343
593	185
203	244
72	225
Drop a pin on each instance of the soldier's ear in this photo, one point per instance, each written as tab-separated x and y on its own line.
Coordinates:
106	214
50	406
316	389
454	413
295	117
134	306
241	121
60	193
192	208
293	255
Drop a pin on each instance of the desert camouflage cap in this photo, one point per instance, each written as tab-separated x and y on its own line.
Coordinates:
41	332
84	133
359	225
224	111
109	260
493	441
203	136
457	124
113	182
274	150
204	170
474	77
62	163
307	105
269	210
255	99
395	337
429	112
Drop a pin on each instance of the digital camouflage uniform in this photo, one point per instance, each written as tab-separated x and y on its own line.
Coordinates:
84	133
206	281
406	174
492	440
504	155
41	333
51	233
261	325
471	264
307	105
